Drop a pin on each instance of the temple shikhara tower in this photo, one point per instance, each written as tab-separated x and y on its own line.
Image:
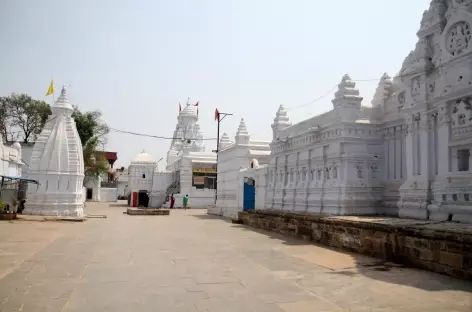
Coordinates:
406	153
57	164
190	170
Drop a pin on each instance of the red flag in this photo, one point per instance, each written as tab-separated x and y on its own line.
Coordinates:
180	107
196	104
217	114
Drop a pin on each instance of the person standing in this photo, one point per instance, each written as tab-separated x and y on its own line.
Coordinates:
185	199
172	201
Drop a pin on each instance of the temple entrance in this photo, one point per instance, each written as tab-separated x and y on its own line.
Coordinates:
89	194
143	199
249	194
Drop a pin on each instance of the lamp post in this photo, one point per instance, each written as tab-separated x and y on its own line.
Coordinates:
157	164
220	117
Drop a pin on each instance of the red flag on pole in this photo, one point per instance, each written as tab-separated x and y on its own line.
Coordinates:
217	114
180	107
196	104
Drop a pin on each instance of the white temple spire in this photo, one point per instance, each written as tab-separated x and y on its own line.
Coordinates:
347	101
224	141
62	102
383	91
281	121
57	163
242	135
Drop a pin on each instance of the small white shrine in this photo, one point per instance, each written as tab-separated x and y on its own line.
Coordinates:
408	154
57	164
238	162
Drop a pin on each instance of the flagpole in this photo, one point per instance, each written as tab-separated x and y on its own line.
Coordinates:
53	90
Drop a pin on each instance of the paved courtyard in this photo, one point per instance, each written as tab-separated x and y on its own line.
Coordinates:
190	261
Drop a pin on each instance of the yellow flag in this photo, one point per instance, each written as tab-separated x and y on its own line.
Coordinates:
51	88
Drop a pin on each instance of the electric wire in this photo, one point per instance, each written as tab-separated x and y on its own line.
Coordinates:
401	76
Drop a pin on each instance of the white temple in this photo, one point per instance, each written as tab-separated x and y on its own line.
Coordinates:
57	164
408	154
234	157
190	170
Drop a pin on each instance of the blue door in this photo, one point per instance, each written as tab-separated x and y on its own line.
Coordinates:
249	194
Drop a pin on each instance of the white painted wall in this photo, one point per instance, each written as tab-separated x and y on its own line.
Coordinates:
161	180
108	194
233	163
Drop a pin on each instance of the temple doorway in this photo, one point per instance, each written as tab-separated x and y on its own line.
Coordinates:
143	198
249	194
89	194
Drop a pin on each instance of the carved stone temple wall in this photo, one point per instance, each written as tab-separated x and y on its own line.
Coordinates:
408	154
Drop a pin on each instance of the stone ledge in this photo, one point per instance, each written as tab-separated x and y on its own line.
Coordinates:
50	218
8	216
147	212
442	247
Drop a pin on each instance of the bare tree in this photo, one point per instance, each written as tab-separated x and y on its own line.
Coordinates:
26	115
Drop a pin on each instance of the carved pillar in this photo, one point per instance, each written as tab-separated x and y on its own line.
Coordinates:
409	147
443	140
308	180
424	157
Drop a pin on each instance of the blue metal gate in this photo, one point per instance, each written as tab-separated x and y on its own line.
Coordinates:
249	194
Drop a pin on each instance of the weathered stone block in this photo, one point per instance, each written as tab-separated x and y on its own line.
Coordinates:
426	254
147	212
451	259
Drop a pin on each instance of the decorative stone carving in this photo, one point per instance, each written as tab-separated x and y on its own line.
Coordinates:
401	97
335	172
458	38
443	115
415	87
374	169
359	169
461	113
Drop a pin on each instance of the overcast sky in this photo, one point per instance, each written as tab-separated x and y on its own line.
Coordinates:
135	60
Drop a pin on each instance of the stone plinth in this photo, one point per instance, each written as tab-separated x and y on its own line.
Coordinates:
441	247
147	212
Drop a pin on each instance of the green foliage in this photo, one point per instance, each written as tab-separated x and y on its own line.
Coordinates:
2	205
94	162
22	113
90	125
92	131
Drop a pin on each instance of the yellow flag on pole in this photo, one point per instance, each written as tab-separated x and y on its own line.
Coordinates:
51	88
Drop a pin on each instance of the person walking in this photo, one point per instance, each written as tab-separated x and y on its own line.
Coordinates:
185	199
172	201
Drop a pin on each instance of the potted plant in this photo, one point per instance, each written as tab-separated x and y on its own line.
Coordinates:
5	213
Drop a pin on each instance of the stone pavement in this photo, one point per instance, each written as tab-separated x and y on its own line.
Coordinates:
190	261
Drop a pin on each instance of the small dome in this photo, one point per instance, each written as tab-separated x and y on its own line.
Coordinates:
144	157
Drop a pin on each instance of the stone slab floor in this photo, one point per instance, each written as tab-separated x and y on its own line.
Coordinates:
190	261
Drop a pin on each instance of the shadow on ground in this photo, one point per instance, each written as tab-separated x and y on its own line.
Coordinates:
376	269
